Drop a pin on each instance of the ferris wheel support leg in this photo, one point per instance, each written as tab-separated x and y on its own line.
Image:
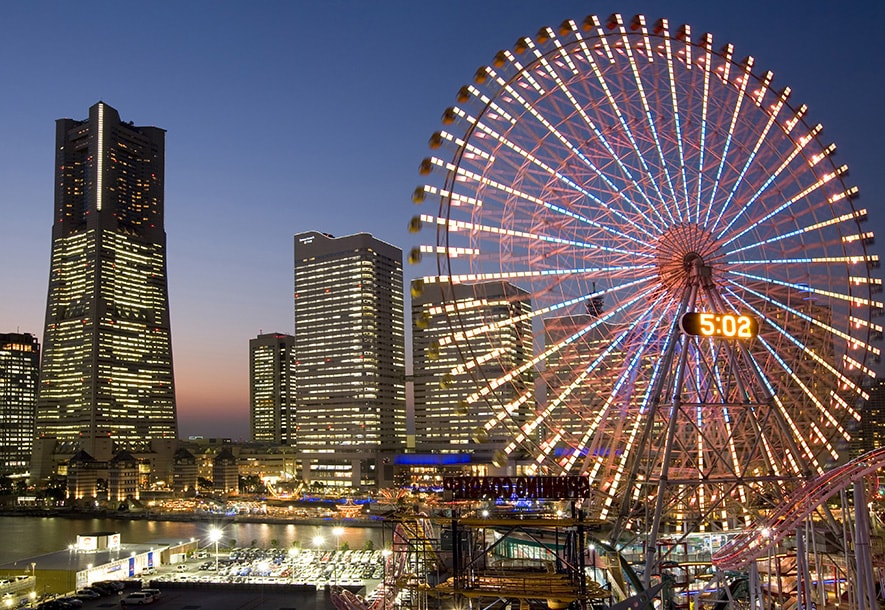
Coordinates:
866	590
755	598
687	304
804	590
651	556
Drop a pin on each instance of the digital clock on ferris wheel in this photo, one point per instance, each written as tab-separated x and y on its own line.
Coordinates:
720	325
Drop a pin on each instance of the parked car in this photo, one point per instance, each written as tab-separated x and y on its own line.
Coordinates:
87	594
56	604
181	567
137	598
154	592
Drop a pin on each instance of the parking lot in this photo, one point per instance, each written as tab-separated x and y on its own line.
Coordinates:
253	579
224	597
350	568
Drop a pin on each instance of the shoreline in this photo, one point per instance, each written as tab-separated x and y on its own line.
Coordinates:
371	522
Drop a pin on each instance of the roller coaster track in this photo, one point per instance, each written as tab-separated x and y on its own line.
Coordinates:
408	537
757	540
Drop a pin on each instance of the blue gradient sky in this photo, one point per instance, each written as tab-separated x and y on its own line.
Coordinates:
289	116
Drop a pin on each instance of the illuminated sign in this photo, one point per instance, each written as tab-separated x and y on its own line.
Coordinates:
722	325
532	488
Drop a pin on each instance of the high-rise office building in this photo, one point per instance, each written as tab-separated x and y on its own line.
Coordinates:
445	375
349	358
19	368
271	388
870	432
106	380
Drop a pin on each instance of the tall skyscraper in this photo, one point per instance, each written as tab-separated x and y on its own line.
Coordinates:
871	431
19	368
271	388
444	421
107	357
349	358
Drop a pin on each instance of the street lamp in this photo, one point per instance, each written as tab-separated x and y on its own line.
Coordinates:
337	531
215	536
317	543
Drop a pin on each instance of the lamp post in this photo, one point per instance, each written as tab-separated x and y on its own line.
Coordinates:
337	531
317	543
293	552
33	595
215	536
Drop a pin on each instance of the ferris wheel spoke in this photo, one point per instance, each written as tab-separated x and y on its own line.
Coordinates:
648	117
853	259
468	335
557	347
799	383
742	88
662	201
469	227
509	190
550	171
813	355
668	51
571	147
823	180
853	300
503	413
851	341
815	430
854	216
625	468
562	86
772	117
621	379
589	272
705	103
567	463
798	148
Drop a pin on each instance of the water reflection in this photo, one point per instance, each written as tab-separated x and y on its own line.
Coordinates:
26	537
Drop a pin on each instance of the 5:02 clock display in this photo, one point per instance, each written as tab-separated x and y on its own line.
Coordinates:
722	325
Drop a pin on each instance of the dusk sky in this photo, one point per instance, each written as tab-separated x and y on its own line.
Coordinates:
283	117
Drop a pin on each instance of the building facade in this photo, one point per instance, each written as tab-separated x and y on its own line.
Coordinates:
349	359
107	354
271	388
871	433
19	369
225	473
446	375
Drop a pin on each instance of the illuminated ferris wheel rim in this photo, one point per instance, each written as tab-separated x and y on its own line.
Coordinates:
643	217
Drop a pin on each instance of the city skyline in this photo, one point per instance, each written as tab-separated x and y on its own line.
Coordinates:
306	117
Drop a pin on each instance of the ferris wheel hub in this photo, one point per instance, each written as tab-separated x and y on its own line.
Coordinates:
685	251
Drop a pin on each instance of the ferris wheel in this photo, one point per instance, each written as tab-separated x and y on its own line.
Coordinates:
702	297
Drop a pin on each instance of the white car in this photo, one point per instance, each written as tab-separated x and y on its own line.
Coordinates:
138	598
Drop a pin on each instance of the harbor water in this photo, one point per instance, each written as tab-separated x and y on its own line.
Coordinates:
26	537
